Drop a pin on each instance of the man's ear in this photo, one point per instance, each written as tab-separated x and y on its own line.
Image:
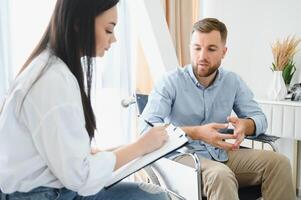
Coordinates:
225	49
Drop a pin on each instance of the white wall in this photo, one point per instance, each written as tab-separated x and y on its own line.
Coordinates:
253	25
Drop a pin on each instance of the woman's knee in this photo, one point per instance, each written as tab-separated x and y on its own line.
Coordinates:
137	191
150	188
153	192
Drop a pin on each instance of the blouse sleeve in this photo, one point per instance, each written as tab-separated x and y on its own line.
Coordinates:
63	142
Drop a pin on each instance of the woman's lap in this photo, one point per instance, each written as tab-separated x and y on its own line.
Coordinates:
130	191
120	191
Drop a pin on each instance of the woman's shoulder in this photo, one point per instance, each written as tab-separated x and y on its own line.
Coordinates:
46	83
50	81
57	70
56	78
42	68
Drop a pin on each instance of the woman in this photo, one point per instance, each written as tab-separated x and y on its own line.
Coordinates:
47	122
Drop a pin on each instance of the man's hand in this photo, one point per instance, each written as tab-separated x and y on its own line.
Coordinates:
209	134
242	127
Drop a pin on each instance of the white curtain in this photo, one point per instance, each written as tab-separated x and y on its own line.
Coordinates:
21	26
5	60
115	80
114	72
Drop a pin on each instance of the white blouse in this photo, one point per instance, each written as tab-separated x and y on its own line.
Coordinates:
43	140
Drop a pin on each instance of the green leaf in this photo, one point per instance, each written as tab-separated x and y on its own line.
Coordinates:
274	67
288	72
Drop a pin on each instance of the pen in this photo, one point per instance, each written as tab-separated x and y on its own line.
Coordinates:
149	123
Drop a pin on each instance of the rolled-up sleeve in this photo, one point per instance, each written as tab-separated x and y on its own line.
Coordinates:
159	104
101	166
246	107
260	123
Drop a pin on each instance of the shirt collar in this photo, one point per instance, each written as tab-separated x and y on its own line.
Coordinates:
196	82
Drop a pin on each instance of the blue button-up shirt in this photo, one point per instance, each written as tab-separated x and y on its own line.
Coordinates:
179	98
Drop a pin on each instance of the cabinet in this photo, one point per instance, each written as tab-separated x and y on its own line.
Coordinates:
284	118
284	121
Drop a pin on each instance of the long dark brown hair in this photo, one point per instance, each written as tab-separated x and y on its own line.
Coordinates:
71	35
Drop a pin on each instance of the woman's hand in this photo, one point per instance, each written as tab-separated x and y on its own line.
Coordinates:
152	140
146	143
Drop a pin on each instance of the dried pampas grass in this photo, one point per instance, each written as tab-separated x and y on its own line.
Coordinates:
284	51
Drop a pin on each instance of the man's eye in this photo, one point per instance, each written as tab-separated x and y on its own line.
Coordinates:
109	32
211	49
197	49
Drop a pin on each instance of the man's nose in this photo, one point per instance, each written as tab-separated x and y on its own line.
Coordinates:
203	54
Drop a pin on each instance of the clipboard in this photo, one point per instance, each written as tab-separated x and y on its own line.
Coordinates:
177	139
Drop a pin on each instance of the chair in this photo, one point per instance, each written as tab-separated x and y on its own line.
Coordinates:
168	173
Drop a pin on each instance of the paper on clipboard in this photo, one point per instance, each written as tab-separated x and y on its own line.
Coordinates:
177	138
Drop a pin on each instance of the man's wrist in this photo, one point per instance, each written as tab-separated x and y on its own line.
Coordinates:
250	127
190	131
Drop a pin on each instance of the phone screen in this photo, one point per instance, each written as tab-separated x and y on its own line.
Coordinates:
226	131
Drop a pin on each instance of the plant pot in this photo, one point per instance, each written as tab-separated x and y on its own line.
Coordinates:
277	90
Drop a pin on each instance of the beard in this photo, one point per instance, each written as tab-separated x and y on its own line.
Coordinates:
205	69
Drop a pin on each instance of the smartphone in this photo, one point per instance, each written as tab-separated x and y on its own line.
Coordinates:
226	131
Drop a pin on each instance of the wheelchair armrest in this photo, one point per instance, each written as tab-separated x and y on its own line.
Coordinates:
264	138
194	157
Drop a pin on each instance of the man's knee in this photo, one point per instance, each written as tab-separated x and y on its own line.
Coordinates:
219	176
283	163
277	160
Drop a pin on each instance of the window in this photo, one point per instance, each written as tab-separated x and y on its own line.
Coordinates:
28	21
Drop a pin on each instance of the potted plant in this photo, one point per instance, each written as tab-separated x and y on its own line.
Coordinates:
283	66
283	53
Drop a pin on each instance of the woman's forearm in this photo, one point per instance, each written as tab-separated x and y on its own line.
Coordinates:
127	153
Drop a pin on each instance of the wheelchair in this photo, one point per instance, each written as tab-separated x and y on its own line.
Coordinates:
184	182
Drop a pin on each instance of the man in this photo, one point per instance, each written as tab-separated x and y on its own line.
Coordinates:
200	98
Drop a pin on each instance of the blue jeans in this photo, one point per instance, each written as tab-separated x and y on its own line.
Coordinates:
120	191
